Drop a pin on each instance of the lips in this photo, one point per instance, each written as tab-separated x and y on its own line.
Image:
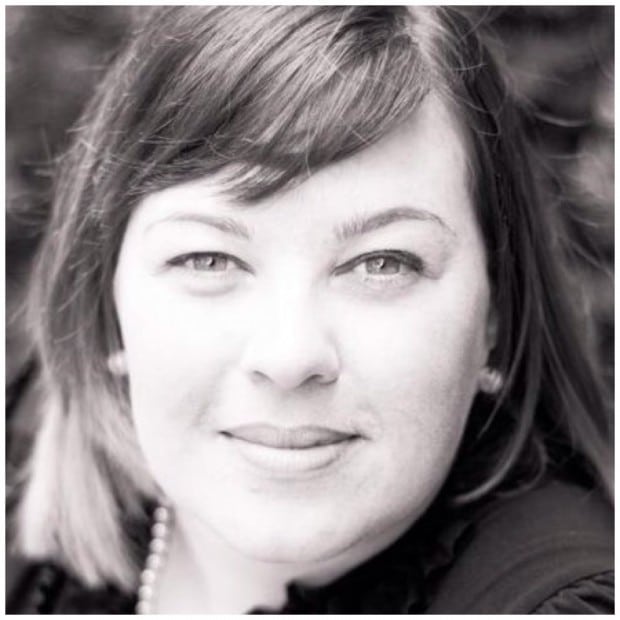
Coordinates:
298	438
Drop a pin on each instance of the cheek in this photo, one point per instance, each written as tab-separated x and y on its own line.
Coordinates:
178	352
433	343
418	369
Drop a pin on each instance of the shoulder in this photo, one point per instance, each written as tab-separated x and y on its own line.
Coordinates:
531	549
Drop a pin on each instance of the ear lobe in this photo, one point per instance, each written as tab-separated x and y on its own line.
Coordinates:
117	363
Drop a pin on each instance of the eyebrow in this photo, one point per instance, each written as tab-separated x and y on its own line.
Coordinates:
362	225
225	224
355	227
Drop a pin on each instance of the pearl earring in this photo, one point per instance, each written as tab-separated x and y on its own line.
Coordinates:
490	380
117	363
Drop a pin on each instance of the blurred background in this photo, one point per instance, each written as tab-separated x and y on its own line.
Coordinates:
559	61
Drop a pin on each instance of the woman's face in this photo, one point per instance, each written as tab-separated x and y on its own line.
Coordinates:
301	370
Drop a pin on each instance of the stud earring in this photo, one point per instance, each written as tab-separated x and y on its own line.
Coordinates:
490	380
117	363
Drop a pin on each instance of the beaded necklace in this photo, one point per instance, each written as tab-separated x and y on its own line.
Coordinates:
158	550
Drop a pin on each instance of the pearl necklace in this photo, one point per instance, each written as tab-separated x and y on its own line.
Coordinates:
158	549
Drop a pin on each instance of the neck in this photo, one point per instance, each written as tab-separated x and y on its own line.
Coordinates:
203	574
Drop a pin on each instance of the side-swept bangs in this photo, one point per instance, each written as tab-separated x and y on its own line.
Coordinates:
284	92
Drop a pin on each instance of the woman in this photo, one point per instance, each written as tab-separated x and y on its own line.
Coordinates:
305	341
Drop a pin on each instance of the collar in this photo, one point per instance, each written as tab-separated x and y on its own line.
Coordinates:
399	580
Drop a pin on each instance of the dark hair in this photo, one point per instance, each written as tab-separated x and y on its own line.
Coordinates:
266	96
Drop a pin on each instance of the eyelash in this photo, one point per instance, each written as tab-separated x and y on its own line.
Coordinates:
181	261
412	262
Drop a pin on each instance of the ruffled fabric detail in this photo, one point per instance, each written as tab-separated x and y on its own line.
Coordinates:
48	589
399	580
75	599
592	595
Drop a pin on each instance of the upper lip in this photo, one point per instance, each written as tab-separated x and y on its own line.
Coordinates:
282	437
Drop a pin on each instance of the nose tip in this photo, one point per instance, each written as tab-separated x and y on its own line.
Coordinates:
290	354
291	369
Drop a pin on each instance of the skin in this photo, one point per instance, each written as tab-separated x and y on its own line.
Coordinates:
301	327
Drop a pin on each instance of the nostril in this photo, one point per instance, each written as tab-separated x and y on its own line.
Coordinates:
292	381
293	375
323	379
258	377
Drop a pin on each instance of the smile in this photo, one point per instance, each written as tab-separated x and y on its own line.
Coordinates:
279	450
299	438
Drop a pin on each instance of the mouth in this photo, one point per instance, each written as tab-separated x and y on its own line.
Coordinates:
286	452
280	438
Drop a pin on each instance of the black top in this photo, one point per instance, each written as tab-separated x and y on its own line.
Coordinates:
549	550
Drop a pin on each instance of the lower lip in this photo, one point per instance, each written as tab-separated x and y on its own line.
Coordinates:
290	461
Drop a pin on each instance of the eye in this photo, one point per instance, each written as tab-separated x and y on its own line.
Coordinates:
383	271
206	262
384	263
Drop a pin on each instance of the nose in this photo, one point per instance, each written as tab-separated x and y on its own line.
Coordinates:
289	345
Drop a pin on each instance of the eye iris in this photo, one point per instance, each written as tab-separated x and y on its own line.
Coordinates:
383	265
209	262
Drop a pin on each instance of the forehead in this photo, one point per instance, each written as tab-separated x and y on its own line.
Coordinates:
422	164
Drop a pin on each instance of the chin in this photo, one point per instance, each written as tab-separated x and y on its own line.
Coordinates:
292	541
